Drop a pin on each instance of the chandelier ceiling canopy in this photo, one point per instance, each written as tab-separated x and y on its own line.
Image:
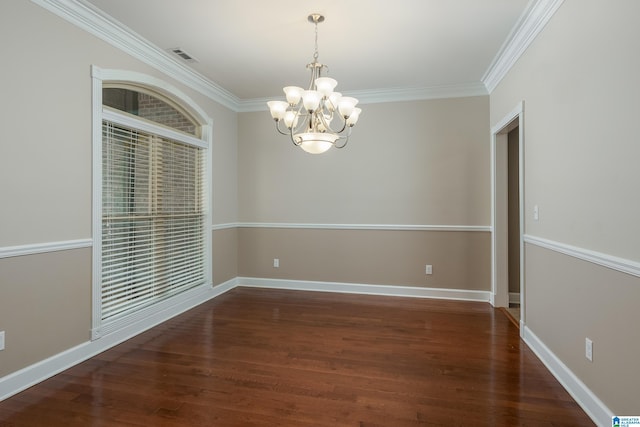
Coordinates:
318	118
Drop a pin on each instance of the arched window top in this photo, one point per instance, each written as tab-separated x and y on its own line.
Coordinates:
148	105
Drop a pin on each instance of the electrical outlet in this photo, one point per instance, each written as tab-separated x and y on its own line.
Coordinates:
276	263
588	349
428	269
1	340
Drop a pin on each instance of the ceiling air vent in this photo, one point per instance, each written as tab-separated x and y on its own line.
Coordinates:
182	54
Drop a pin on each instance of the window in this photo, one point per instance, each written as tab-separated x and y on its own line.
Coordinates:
153	212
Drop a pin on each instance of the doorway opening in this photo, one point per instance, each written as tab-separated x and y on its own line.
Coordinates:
507	216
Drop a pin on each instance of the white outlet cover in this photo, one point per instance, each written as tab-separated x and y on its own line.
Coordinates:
1	340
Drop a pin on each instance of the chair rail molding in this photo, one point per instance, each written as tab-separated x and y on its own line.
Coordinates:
323	226
605	260
40	248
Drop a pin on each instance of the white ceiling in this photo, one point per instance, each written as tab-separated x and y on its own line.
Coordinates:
253	48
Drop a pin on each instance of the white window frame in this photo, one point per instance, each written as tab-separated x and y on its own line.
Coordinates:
100	77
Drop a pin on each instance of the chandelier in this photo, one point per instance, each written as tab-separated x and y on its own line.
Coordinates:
307	115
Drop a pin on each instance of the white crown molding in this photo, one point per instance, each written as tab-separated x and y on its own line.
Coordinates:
375	96
531	23
599	413
398	227
40	248
89	18
615	263
461	90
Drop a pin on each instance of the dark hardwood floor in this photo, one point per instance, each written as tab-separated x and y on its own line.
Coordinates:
256	357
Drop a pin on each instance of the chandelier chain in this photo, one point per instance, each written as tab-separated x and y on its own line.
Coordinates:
315	53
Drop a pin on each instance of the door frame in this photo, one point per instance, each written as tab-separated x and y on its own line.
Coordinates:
499	218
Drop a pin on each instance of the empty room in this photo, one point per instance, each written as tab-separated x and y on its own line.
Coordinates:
321	213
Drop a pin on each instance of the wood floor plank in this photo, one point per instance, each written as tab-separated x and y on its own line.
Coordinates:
256	357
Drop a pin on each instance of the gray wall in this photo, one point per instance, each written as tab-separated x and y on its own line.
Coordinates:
422	162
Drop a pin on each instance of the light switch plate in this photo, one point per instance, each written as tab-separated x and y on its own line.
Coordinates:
588	349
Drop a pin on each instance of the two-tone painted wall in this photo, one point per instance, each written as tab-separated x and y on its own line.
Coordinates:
412	188
581	151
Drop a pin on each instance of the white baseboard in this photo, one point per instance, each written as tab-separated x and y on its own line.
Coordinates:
595	409
354	288
514	297
33	374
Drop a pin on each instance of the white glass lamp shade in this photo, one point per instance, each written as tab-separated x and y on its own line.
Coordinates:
315	142
353	118
346	105
334	98
291	119
325	86
311	99
277	109
293	94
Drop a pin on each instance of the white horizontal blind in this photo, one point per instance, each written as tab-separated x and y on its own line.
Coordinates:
153	219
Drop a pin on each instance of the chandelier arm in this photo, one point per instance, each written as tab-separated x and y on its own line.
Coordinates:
311	79
301	126
314	72
301	120
324	122
328	127
332	114
297	144
307	122
346	139
344	126
278	128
